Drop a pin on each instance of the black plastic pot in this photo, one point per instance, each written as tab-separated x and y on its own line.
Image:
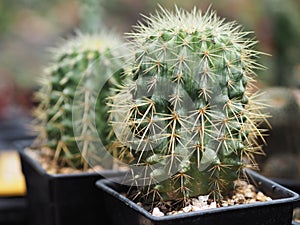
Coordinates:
60	199
279	211
13	211
15	129
291	184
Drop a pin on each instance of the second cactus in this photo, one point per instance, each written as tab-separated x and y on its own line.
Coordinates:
71	117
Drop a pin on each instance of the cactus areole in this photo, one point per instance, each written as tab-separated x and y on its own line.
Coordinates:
189	119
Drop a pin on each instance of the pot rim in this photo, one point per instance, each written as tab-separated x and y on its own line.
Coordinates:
292	197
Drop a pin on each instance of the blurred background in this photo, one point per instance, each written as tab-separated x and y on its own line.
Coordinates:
30	27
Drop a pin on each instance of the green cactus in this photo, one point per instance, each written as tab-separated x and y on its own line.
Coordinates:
91	15
189	118
79	66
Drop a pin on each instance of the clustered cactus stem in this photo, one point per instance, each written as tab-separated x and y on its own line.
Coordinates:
189	118
69	98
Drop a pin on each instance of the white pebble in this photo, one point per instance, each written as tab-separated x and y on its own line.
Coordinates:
268	199
187	208
203	198
213	205
196	208
157	212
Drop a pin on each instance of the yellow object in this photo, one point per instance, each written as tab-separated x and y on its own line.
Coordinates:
12	181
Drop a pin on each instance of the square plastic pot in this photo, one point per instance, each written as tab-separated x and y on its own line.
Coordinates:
60	199
291	184
13	211
15	129
279	211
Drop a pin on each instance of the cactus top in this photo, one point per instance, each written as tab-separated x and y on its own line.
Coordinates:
87	42
189	119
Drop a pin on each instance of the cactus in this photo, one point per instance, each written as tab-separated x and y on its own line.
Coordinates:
285	113
284	165
283	140
283	106
79	66
91	15
189	117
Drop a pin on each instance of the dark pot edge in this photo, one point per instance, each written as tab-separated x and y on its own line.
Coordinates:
21	144
284	181
105	185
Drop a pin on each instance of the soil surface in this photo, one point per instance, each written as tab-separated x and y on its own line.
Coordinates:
244	193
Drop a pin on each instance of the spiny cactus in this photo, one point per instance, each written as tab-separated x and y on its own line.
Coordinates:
189	118
80	67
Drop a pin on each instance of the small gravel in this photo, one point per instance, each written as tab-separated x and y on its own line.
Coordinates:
244	193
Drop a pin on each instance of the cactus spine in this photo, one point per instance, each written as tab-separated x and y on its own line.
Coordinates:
188	119
79	66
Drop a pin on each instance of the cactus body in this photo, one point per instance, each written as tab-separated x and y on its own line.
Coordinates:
80	66
188	118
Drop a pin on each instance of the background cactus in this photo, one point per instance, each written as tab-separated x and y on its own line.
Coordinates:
283	106
283	150
189	118
80	67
